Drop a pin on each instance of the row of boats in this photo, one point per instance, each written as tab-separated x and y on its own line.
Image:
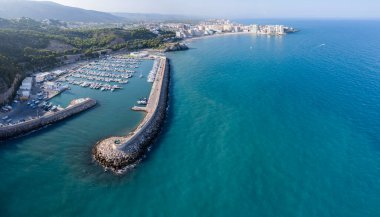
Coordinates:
114	68
106	74
153	72
97	78
95	85
117	63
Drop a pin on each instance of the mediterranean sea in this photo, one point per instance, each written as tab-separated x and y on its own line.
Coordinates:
257	126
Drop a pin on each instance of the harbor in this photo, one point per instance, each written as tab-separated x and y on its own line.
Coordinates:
108	74
50	92
117	153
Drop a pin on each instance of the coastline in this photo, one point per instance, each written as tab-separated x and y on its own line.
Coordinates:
189	40
218	35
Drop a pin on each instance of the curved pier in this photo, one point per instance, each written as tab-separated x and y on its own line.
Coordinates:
119	152
75	107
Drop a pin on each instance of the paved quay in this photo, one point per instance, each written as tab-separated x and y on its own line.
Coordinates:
118	152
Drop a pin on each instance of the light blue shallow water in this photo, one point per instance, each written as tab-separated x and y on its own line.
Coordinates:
285	128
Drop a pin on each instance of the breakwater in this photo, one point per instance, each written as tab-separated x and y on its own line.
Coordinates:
75	107
118	152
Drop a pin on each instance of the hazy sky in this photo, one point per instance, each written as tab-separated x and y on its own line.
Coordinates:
239	8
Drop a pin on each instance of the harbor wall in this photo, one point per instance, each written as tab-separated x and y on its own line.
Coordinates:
7	132
137	145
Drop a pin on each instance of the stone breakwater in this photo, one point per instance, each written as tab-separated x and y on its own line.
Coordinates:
117	153
75	107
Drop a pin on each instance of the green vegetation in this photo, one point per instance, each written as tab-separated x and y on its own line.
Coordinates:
28	45
8	72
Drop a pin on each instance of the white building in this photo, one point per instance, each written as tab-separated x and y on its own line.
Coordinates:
191	32
280	29
179	34
27	84
227	28
254	29
237	29
196	32
182	34
271	30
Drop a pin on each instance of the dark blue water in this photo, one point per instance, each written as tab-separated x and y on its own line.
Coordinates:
257	126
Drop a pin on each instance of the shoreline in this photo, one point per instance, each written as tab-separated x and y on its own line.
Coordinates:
225	34
218	35
119	152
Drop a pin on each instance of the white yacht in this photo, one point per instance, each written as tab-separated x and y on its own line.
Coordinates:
142	101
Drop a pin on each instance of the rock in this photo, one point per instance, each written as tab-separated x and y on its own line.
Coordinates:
176	47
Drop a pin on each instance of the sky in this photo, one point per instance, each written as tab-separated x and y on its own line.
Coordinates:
239	8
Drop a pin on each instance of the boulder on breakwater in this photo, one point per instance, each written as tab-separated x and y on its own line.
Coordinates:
176	47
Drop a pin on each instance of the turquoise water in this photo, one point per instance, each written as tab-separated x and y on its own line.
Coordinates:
288	127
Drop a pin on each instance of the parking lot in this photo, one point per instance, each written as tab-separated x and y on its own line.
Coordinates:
20	111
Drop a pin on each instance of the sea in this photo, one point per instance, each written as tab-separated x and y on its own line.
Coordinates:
256	126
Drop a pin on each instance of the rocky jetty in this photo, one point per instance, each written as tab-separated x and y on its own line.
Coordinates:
176	47
117	153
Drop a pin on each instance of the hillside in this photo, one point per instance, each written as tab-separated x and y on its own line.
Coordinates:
29	45
8	72
40	10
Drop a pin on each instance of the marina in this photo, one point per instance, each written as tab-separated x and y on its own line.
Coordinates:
108	74
51	91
